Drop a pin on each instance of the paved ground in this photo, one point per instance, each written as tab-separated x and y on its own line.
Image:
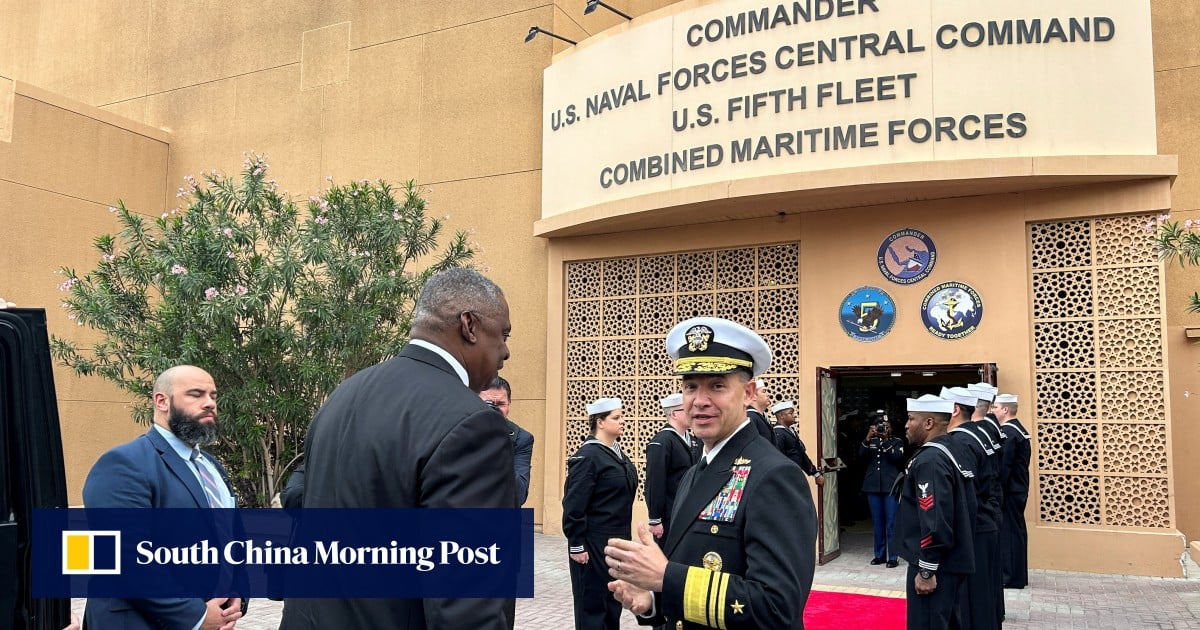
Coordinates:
1053	600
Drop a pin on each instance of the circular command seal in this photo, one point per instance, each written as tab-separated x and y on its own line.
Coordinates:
867	314
951	310
906	256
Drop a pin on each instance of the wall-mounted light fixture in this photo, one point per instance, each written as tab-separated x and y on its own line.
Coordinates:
897	374
928	373
534	30
592	4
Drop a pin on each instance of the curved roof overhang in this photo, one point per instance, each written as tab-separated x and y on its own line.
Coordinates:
854	187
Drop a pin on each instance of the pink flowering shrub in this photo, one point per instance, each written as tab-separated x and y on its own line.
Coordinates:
279	299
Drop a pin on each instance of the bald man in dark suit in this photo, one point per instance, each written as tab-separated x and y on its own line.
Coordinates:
412	432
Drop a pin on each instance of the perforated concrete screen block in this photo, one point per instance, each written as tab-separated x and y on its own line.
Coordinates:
620	309
1101	425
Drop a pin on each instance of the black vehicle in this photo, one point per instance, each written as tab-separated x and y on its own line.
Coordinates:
31	465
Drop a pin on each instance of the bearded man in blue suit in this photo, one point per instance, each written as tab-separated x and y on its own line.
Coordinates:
165	468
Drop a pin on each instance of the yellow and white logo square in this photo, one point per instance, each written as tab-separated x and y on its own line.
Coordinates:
86	552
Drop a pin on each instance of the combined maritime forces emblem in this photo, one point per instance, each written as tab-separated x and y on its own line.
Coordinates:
867	314
952	310
906	256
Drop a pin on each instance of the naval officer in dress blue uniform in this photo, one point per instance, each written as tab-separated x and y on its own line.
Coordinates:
725	563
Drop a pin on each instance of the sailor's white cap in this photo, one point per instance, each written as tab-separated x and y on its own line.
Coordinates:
603	405
983	391
960	395
780	406
931	403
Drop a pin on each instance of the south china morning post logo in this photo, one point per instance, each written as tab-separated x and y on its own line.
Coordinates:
952	310
906	256
155	553
91	552
331	553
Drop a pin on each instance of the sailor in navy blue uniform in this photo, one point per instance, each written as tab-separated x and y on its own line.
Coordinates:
757	410
741	550
1014	477
883	456
669	454
974	449
934	524
597	505
788	441
982	418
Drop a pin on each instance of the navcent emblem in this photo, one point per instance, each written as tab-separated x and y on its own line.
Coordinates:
91	552
906	256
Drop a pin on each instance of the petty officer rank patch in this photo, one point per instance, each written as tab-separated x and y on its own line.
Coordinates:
724	507
926	499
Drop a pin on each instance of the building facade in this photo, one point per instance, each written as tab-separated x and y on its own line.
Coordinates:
703	158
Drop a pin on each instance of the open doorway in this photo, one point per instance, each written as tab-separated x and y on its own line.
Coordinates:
848	397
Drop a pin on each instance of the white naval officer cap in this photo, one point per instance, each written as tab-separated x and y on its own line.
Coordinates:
603	405
780	406
931	404
674	400
1006	398
982	391
960	395
711	345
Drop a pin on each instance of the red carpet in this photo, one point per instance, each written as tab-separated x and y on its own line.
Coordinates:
837	611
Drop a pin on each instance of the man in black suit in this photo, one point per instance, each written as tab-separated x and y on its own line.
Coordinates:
669	454
726	564
498	394
165	468
412	432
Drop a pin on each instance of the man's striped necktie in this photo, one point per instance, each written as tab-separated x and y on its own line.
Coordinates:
211	490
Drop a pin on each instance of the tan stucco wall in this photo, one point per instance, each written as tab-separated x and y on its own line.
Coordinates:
63	166
981	241
1176	74
443	93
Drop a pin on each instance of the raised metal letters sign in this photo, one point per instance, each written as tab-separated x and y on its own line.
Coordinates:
733	90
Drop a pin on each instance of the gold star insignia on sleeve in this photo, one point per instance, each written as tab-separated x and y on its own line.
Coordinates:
737	607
